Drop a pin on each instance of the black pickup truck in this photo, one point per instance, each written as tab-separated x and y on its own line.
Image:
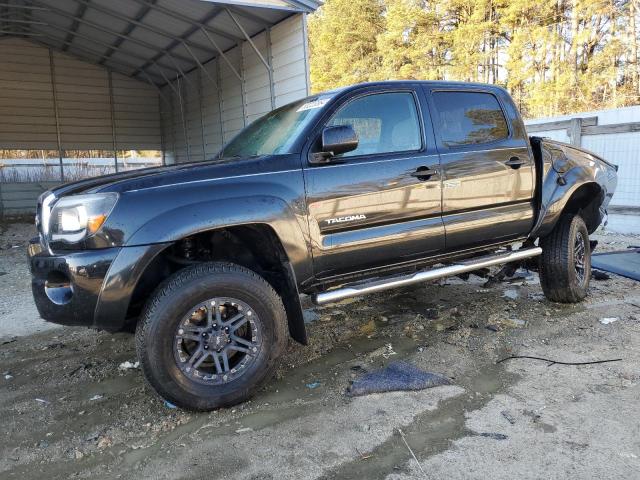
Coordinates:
340	194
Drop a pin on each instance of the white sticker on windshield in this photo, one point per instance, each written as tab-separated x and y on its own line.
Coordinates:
317	103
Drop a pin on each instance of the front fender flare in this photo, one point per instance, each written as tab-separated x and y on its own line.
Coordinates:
185	220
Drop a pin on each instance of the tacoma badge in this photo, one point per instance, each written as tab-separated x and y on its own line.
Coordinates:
348	218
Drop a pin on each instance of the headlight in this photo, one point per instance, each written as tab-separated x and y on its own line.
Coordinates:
77	217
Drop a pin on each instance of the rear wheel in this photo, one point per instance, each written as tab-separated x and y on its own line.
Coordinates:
565	264
210	335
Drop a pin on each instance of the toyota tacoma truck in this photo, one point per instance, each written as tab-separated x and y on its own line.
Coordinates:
340	194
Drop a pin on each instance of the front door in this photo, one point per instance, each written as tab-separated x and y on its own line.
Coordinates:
374	207
487	169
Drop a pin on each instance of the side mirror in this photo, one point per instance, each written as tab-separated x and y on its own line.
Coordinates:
335	140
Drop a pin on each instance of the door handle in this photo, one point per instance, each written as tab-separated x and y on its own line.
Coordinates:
424	173
515	162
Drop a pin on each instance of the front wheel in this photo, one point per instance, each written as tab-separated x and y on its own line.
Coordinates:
565	264
210	335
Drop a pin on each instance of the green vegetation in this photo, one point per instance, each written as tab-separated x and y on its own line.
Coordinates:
554	56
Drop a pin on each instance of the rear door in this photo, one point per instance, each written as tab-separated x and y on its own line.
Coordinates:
487	171
374	208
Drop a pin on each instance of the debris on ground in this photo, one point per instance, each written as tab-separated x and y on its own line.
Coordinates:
608	320
310	316
244	430
397	376
558	362
511	294
600	275
169	405
494	436
388	351
508	416
431	313
411	452
96	397
105	442
129	365
313	385
42	401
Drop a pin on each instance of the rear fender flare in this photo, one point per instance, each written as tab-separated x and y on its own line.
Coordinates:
557	190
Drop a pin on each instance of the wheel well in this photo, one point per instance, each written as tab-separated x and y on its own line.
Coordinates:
586	201
255	246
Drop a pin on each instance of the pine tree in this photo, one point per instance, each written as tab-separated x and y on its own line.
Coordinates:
342	41
554	56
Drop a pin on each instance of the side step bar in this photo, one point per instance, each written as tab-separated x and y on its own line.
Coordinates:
431	274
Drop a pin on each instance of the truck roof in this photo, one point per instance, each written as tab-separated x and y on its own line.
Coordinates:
433	83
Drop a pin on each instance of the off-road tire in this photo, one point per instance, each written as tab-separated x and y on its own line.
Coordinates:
168	305
558	276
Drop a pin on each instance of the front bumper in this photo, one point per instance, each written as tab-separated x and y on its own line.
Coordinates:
93	288
66	288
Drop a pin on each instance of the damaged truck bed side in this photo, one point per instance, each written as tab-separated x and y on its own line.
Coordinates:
343	193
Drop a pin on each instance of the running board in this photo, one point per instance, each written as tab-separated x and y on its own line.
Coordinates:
431	274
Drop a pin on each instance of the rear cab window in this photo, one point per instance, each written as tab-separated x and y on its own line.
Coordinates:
469	118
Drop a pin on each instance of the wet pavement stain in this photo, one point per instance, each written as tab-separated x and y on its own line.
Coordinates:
432	432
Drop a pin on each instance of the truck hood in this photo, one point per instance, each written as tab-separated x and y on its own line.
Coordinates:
146	178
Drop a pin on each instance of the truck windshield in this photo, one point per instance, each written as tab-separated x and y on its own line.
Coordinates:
276	132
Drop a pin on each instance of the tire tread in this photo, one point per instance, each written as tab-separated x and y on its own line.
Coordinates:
556	276
171	286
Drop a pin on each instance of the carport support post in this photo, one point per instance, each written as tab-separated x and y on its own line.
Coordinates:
243	87
575	132
200	93
55	110
163	145
113	121
220	102
272	87
183	115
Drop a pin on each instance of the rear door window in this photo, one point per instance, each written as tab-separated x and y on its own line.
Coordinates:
469	118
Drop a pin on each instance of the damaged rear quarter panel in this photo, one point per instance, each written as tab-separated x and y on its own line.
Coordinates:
564	170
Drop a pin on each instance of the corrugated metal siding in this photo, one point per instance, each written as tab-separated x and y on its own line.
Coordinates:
211	111
289	62
241	102
85	113
136	114
27	118
620	148
166	115
623	150
192	98
21	198
257	91
27	111
84	105
231	91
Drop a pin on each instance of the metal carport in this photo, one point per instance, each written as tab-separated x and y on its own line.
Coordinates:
87	85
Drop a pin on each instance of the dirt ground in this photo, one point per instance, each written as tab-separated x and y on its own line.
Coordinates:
69	410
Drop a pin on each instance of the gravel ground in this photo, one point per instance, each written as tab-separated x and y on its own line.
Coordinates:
18	314
69	409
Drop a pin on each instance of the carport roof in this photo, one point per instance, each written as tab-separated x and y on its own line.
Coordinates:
153	40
